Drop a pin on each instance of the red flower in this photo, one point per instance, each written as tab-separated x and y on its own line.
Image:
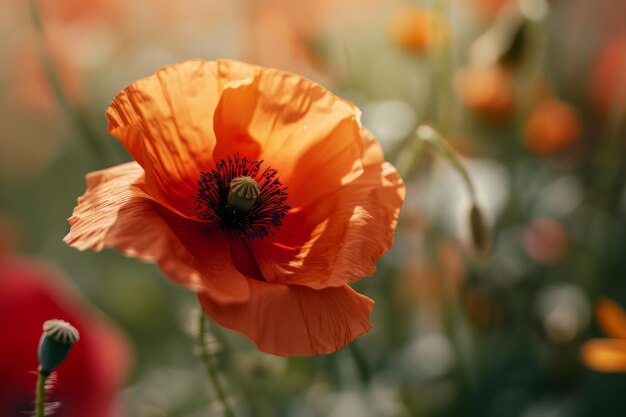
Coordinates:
277	270
608	74
31	293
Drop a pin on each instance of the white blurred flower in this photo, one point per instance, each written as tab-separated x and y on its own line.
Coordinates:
428	356
449	202
564	311
559	198
389	120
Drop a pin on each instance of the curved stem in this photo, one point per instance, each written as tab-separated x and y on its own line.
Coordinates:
40	397
77	115
210	366
428	134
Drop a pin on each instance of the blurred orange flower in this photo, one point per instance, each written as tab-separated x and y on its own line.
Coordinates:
26	69
487	91
608	354
77	34
271	254
62	19
553	126
416	29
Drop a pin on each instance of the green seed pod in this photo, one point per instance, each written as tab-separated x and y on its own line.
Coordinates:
243	193
55	343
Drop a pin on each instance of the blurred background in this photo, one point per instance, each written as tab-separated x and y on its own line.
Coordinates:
530	93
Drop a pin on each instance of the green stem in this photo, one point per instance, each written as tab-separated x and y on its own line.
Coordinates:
79	118
431	136
210	366
443	75
361	363
426	134
40	398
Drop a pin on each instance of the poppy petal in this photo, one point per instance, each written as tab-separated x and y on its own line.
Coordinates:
340	238
292	320
116	212
296	126
605	355
611	318
165	121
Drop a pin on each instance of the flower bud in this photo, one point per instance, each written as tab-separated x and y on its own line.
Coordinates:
55	343
480	235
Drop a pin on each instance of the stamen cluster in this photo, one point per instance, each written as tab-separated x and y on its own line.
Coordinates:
265	216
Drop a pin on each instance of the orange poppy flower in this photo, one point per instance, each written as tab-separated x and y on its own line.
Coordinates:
487	91
552	127
417	30
608	354
254	187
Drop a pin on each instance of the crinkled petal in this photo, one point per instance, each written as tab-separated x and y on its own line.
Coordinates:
166	123
296	126
372	151
605	355
339	238
116	212
611	318
292	320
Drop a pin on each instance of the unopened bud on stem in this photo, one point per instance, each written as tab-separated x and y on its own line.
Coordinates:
55	343
478	229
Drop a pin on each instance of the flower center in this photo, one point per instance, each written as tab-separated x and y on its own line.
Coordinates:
244	200
243	193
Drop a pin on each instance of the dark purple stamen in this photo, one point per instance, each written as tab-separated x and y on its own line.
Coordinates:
262	219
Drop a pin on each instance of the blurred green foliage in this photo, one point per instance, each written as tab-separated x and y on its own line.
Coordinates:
454	334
